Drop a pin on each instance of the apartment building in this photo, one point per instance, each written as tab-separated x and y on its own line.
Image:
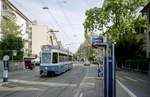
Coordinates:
9	11
146	12
42	35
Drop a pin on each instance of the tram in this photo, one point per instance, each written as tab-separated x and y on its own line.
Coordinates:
55	60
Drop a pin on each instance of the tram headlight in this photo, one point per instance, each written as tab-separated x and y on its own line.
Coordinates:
46	68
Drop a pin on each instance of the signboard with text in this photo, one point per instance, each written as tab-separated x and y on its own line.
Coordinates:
97	41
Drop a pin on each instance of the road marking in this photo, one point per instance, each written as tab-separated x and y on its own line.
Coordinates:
121	79
81	95
131	94
129	78
80	85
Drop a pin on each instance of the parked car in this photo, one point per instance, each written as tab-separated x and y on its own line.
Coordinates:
36	61
28	63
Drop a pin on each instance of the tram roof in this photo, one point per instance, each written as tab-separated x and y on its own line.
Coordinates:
49	47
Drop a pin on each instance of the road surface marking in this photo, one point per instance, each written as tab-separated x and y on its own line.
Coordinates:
131	94
121	79
129	78
81	84
81	95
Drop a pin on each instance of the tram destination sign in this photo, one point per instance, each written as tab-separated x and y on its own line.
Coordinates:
46	47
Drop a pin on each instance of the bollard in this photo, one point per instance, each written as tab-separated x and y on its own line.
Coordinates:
5	74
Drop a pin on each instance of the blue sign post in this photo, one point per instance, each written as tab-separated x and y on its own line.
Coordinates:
109	67
5	72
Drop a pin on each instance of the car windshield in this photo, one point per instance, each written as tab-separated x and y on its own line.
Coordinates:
46	58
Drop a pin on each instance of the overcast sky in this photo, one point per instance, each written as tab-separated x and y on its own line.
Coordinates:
67	16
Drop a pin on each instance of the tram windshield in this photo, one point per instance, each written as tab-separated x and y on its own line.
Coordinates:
46	58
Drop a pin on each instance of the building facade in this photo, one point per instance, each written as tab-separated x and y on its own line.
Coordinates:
42	35
9	11
146	12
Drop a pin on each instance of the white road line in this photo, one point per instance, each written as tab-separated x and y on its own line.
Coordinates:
80	85
81	95
131	94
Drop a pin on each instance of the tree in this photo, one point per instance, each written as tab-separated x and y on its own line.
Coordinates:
11	38
85	51
118	20
117	16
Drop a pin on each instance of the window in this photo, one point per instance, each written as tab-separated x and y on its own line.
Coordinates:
55	58
63	57
46	58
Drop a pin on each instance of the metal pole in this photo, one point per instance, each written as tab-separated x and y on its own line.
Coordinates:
107	68
114	71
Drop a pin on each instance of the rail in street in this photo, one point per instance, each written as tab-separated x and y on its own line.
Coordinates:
78	82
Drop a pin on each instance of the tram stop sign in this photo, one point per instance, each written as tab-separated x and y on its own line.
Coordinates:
97	41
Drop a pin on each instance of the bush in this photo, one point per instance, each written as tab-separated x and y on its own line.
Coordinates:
19	56
139	64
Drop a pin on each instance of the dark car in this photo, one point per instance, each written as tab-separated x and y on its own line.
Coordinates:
95	62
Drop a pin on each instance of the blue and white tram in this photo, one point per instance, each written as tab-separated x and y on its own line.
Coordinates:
55	60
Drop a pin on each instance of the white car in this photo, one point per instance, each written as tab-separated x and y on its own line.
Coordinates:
86	63
36	61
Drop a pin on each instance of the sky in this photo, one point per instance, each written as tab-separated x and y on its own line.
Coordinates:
66	16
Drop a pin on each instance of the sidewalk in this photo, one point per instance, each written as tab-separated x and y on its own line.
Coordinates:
120	92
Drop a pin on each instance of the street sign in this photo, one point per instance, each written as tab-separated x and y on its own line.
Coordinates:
14	52
6	58
97	41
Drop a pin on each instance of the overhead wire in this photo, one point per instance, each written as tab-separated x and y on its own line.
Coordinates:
65	14
56	22
22	6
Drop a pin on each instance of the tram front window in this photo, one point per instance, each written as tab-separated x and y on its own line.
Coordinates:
46	58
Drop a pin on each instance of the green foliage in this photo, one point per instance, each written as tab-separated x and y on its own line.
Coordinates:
86	50
11	42
129	47
10	53
117	16
9	27
118	20
11	39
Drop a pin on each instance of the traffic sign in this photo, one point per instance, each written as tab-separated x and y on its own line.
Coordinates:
14	52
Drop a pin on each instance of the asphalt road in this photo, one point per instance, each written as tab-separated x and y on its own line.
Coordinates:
137	83
78	82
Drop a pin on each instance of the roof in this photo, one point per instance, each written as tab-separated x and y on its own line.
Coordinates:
49	47
16	10
146	9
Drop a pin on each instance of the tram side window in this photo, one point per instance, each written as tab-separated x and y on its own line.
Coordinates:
62	58
55	58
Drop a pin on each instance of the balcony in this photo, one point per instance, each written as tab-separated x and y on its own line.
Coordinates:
9	14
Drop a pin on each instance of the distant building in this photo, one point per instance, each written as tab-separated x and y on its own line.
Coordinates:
42	35
9	11
146	11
